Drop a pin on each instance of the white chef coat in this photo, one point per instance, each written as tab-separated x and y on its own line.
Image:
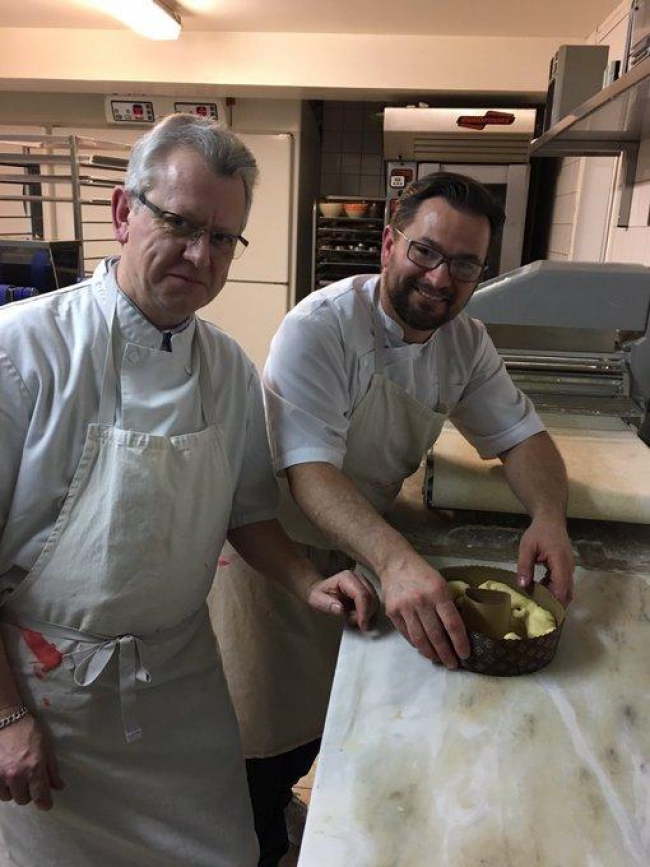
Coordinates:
321	365
52	351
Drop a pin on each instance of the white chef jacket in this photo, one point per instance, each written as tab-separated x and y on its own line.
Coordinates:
321	364
52	353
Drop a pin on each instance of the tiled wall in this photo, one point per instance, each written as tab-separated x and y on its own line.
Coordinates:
352	145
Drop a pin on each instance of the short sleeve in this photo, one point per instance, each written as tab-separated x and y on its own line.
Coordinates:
492	413
256	492
307	391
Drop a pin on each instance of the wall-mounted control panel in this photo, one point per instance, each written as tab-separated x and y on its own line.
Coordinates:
145	111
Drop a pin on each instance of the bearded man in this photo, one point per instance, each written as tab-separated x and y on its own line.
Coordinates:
360	379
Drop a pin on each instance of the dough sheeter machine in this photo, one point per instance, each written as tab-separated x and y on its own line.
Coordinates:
575	337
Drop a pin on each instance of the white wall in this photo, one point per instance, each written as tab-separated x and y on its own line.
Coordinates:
633	244
296	64
588	192
565	205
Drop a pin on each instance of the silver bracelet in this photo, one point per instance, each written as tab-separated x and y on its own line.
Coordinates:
13	717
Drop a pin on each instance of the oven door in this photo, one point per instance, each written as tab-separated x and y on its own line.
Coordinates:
509	185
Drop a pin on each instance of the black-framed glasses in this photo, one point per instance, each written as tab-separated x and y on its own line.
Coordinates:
424	256
221	243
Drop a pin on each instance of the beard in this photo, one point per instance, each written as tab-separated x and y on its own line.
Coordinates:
420	306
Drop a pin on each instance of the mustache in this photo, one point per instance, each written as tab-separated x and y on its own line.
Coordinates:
444	294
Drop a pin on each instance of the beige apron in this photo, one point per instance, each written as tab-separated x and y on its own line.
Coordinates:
280	684
110	641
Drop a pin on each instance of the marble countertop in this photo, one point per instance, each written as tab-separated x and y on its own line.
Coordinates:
421	767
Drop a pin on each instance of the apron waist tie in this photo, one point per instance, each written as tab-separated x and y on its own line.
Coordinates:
90	661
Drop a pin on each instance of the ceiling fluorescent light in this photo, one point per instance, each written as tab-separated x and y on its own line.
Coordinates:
150	18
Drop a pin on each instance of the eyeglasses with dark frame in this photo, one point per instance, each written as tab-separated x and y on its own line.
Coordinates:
424	256
221	243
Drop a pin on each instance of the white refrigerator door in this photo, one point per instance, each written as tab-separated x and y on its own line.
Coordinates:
255	299
251	313
269	226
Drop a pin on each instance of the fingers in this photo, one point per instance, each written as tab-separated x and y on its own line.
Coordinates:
321	600
400	624
454	627
39	791
424	631
30	786
342	592
361	592
55	778
526	563
27	768
547	542
19	790
559	578
427	627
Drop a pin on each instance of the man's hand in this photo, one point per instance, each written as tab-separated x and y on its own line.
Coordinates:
28	769
345	593
420	606
546	541
535	472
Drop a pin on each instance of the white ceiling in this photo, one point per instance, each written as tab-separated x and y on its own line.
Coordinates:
577	18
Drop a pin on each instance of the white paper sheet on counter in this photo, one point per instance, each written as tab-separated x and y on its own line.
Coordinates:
421	767
607	464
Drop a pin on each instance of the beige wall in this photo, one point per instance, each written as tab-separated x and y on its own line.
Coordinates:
298	62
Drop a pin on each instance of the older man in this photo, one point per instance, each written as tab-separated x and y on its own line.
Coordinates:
360	379
133	440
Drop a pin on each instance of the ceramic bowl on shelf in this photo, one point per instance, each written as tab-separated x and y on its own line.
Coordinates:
330	209
355	209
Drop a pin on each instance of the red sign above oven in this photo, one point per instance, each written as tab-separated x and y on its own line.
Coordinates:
490	118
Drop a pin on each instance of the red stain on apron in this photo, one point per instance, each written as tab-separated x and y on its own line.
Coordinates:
223	562
46	702
46	654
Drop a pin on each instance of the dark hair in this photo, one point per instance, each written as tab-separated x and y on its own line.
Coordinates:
462	193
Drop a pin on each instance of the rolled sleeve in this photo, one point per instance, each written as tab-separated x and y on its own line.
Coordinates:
492	413
307	393
256	493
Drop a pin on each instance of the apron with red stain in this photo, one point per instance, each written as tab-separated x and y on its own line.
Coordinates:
110	642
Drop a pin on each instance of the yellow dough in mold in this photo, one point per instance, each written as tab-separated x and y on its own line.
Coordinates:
537	620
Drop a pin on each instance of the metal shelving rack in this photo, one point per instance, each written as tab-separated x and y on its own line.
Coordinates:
54	177
345	246
614	121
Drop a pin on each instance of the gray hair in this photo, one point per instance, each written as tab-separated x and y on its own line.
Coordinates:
226	154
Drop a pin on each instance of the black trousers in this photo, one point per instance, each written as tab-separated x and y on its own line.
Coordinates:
270	782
